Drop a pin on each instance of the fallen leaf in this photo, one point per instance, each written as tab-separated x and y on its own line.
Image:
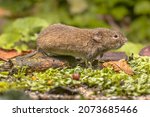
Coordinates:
8	54
120	65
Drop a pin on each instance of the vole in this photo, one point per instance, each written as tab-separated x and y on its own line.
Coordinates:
60	39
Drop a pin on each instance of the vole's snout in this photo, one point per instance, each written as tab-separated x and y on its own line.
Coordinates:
121	38
125	40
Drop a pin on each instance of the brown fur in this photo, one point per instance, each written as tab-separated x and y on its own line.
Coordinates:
60	39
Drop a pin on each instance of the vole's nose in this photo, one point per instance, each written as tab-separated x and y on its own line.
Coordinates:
125	40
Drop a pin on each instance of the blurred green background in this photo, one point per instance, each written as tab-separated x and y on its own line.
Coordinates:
22	20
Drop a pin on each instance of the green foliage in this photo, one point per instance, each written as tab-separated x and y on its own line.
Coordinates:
119	12
130	48
106	80
12	41
4	86
132	16
18	6
20	72
142	7
141	24
21	32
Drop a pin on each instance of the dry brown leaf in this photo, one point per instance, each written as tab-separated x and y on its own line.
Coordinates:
7	54
120	65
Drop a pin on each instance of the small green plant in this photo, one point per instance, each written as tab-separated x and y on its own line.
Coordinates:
21	33
4	86
106	80
21	72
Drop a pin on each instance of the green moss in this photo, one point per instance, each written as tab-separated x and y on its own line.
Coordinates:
4	86
106	80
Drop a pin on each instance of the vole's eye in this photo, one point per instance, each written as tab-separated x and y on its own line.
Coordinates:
115	36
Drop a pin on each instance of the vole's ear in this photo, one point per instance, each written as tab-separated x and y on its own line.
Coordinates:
97	37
